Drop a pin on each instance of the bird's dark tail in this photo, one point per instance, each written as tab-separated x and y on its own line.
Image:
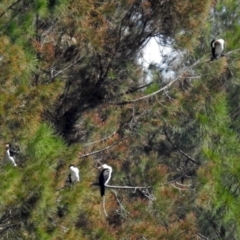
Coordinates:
216	57
69	180
102	190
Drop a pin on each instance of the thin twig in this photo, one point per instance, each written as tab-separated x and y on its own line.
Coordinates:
136	89
50	28
65	229
101	140
185	154
201	236
191	77
183	185
181	189
9	7
230	52
103	149
4	228
64	69
121	206
147	194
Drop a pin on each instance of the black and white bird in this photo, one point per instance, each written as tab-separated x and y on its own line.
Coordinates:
104	177
217	46
74	174
9	154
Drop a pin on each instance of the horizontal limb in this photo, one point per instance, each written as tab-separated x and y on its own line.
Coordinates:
126	187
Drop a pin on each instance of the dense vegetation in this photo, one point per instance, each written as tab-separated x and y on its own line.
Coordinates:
73	92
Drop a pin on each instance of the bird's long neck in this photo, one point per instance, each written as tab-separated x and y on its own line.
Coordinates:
109	176
8	152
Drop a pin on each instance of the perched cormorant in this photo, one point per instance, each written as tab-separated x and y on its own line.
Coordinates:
74	174
9	154
104	177
217	46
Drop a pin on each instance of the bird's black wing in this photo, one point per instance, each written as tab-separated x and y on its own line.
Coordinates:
12	152
213	53
104	175
213	50
69	178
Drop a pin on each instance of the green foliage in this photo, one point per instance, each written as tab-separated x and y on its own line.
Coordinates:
69	75
44	144
152	88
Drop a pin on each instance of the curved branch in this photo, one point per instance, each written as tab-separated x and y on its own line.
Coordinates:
10	7
7	226
163	88
202	60
180	189
230	52
120	204
182	152
101	140
103	149
146	96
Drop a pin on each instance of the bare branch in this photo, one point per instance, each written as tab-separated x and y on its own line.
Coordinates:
183	153
148	195
104	206
126	187
65	229
163	88
202	60
146	96
137	187
230	52
183	185
138	88
202	237
192	77
121	206
7	226
142	237
10	7
132	90
103	149
46	32
190	158
101	140
180	189
53	75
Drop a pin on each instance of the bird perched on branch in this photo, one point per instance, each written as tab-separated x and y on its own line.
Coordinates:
217	46
9	154
74	174
104	177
